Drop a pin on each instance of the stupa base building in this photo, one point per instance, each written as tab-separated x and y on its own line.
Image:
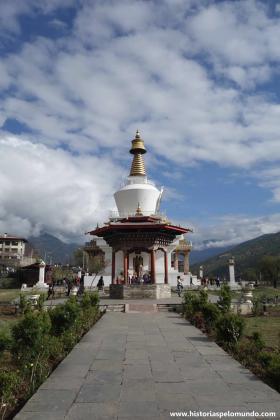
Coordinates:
139	247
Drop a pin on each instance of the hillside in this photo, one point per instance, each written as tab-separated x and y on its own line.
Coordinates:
196	256
52	249
246	254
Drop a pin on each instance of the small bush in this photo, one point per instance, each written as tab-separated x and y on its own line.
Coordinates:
63	317
211	314
249	351
94	298
29	333
86	301
41	300
224	301
257	306
8	384
24	304
191	304
273	370
198	321
258	341
5	339
203	297
229	329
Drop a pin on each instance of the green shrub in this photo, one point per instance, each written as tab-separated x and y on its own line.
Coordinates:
224	301
8	385
265	358
94	298
249	352
89	299
24	304
211	314
29	334
198	321
41	300
69	339
63	317
203	297
273	371
257	306
229	329
86	301
191	304
258	341
5	339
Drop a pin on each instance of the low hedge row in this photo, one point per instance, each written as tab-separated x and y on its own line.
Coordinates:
227	330
37	343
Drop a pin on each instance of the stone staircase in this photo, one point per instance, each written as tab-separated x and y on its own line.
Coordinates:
141	308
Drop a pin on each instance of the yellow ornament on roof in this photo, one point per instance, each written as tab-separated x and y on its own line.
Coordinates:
137	149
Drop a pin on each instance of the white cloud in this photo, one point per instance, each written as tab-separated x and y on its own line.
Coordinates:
270	178
233	230
239	32
51	190
139	65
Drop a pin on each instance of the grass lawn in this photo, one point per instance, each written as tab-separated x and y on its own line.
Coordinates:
267	291
268	326
7	295
259	291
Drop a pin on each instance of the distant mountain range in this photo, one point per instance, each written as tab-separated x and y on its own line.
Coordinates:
52	249
247	255
202	255
214	260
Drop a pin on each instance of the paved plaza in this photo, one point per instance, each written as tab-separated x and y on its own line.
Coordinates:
133	366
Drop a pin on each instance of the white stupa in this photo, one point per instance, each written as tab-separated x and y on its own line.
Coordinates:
138	190
124	241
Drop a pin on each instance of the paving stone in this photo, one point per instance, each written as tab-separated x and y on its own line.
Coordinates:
135	409
142	366
110	355
50	400
71	370
170	388
97	392
204	350
63	383
137	371
103	365
255	391
94	411
167	376
44	415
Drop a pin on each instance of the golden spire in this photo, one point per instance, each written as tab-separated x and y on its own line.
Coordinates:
137	149
138	211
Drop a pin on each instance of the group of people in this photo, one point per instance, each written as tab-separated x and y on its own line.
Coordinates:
145	279
67	284
210	282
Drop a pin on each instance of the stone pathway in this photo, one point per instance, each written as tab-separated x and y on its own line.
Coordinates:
133	366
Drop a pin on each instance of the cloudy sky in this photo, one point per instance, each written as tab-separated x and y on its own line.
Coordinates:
199	78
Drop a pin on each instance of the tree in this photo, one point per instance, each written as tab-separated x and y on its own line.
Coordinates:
270	269
250	275
78	257
59	273
96	266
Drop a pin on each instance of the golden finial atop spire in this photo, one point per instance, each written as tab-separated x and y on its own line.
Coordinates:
137	149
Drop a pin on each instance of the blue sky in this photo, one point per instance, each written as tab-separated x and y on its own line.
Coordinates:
198	78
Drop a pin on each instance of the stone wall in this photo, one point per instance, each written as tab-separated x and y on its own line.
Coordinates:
147	291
